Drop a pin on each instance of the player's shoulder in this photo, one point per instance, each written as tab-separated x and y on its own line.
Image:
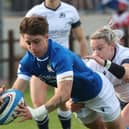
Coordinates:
55	47
121	52
121	49
38	6
57	51
35	9
67	6
28	57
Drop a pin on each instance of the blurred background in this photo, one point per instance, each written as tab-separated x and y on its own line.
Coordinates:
94	14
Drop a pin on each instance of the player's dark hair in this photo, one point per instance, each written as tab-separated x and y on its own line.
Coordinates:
34	25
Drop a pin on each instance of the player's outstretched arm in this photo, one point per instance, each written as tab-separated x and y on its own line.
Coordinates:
20	84
62	94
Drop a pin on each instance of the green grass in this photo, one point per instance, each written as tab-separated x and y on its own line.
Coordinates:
30	124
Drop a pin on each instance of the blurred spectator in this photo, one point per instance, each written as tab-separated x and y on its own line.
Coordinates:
83	5
23	5
120	19
107	4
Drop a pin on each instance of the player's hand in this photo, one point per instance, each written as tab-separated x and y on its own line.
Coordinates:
23	112
2	89
27	112
74	107
98	59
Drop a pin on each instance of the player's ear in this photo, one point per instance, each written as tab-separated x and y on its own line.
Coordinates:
113	45
22	42
46	36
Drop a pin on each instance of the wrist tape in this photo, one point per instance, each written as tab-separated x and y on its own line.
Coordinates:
38	113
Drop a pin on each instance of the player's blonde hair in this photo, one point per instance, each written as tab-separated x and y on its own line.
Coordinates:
108	34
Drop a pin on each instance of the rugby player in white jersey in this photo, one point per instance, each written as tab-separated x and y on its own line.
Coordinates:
62	19
112	60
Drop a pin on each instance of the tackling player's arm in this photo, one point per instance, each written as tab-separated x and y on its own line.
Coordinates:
120	71
126	75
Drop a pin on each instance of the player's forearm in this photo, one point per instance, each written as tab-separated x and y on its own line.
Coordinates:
41	112
19	84
55	102
62	94
83	49
126	75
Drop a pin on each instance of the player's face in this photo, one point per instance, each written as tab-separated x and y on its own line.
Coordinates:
36	44
102	49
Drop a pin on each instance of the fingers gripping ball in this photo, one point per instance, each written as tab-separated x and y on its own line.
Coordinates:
11	99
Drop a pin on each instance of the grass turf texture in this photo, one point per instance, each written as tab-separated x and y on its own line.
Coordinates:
53	119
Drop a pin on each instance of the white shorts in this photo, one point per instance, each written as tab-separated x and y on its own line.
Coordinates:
105	105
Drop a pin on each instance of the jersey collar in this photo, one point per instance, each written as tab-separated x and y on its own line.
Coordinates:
114	54
52	8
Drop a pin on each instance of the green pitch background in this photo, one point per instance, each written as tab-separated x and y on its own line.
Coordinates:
53	119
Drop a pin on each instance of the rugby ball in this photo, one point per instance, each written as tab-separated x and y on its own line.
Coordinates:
11	99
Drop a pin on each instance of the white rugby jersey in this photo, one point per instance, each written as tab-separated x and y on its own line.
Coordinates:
121	88
60	21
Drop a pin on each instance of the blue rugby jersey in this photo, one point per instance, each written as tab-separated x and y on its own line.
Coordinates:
60	62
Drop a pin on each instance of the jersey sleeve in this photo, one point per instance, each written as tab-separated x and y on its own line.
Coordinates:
75	18
63	66
21	73
33	11
24	68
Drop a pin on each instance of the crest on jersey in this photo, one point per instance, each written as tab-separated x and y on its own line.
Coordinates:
49	68
62	15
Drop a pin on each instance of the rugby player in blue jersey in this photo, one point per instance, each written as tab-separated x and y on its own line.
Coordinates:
56	66
62	19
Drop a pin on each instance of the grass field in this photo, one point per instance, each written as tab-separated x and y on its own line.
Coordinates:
30	124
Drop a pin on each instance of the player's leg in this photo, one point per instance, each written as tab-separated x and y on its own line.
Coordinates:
96	124
110	110
64	116
116	124
104	105
38	90
90	118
